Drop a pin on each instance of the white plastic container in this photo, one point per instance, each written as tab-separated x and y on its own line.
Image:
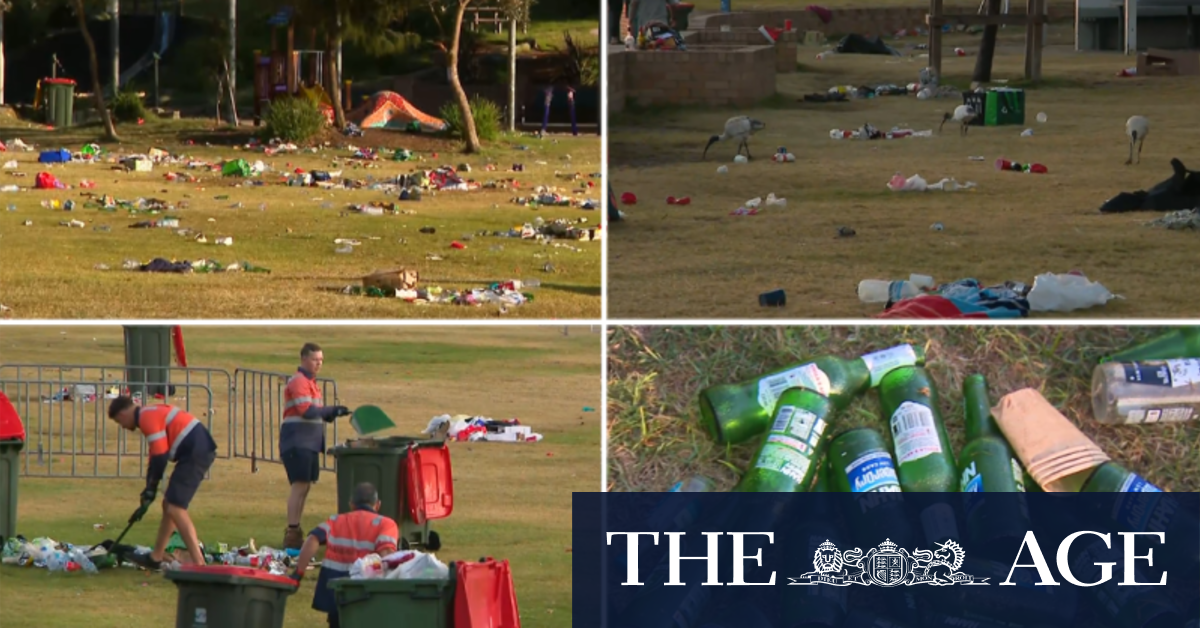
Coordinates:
877	290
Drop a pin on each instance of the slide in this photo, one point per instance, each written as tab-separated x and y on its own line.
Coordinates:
164	34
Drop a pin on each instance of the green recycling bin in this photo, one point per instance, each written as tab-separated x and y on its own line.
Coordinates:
148	360
222	596
380	602
386	463
58	99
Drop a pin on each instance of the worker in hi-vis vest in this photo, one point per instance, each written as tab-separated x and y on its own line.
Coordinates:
302	437
172	434
347	537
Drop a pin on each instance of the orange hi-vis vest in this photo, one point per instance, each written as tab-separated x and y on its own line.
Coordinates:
300	394
165	427
352	535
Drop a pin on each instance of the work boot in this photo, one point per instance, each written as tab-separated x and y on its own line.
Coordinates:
293	538
145	561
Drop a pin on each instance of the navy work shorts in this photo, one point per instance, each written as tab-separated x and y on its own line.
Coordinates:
302	465
187	476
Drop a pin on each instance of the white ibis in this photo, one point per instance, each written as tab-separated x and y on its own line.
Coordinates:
963	114
1136	128
738	128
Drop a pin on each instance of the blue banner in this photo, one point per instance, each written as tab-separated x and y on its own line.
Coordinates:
886	560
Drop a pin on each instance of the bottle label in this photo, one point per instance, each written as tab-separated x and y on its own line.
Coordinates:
971	482
792	443
1171	373
1134	483
1018	475
808	376
915	432
1160	415
880	362
1147	512
873	473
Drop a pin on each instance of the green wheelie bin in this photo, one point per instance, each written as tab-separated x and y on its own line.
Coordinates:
413	479
222	596
376	602
12	441
58	100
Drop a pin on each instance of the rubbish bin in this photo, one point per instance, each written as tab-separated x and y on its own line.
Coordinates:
58	99
148	360
221	596
412	477
379	602
12	441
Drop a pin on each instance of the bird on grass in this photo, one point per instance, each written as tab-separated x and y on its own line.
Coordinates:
963	114
737	128
1136	128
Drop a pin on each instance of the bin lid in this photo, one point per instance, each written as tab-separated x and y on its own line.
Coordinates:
58	81
11	427
231	574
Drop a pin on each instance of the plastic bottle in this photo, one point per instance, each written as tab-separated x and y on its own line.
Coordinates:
78	557
788	458
1165	391
735	413
882	291
531	283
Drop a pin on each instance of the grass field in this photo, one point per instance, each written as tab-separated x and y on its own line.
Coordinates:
655	375
50	271
511	501
1012	227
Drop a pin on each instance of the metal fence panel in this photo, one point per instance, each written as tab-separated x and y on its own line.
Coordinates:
258	414
68	429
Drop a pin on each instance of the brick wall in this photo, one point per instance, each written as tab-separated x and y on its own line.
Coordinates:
616	81
865	21
785	47
717	76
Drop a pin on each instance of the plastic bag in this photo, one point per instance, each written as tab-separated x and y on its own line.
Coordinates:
422	566
1054	292
367	567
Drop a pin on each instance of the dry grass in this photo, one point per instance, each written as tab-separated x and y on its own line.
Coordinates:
48	271
512	501
655	375
1012	227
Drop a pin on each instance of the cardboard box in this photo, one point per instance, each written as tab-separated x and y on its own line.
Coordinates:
400	279
1155	62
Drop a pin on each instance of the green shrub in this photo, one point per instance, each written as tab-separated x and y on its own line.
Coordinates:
293	119
128	107
487	116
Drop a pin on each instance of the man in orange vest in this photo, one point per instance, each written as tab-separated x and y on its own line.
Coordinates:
302	436
347	538
172	435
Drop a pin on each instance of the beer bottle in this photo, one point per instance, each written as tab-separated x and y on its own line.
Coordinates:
818	605
787	459
1183	342
736	413
923	455
987	465
860	463
1111	477
1146	392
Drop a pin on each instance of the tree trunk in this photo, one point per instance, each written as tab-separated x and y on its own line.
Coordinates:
334	41
512	74
114	37
110	132
470	136
987	48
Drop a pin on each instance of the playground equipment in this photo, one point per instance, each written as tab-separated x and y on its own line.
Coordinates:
291	72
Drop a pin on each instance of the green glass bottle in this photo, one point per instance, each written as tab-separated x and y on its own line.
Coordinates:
860	463
787	459
924	460
736	413
1183	342
987	465
1111	477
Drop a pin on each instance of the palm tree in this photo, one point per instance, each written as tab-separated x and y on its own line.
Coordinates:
110	131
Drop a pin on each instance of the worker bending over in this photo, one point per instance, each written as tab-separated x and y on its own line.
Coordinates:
172	434
302	437
347	538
